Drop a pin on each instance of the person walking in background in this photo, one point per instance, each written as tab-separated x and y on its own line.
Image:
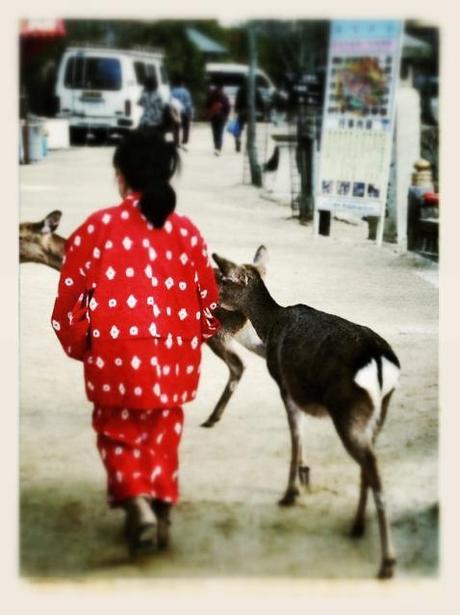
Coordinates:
153	105
135	302
242	110
181	93
217	109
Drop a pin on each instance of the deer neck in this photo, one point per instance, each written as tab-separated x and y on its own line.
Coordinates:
262	310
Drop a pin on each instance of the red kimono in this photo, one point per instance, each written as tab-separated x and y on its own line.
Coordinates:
135	304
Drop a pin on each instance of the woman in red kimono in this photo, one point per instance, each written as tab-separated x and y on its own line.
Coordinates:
135	302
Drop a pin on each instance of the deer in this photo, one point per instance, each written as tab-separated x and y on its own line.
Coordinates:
39	243
323	365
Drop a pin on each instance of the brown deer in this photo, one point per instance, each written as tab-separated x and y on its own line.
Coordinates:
323	365
38	243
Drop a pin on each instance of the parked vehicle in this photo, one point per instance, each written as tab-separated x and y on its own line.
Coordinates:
98	89
233	76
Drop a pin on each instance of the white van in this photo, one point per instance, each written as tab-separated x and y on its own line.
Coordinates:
233	76
98	89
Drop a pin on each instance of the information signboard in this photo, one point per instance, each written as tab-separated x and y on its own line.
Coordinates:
359	112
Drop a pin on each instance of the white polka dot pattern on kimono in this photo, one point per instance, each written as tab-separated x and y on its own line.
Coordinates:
110	273
136	453
96	253
121	388
108	245
189	369
166	370
154	281
179	340
148	271
114	332
56	325
77	240
169	341
156	472
127	243
118	450
168	226
129	272
124	414
198	315
164	398
68	282
203	294
112	303
145	243
154	361
103	453
152	254
90	385
137	391
96	333
194	342
156	389
183	258
183	232
106	218
100	362
90	228
93	304
124	214
153	329
169	255
135	362
118	361
133	330
106	388
119	477
182	314
165	413
160	438
178	428
131	301
169	283
156	311
193	241
182	285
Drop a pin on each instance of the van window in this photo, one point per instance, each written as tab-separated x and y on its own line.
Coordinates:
262	82
164	75
91	72
229	79
139	69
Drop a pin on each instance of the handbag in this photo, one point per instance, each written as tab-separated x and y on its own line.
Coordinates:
234	127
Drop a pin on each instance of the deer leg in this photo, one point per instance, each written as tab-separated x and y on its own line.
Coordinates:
236	369
294	415
388	553
359	523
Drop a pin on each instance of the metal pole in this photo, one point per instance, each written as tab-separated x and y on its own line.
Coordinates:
256	174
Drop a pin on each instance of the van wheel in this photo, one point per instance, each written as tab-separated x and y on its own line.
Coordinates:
77	136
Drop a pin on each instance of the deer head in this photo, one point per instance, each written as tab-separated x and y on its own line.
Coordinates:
237	282
38	243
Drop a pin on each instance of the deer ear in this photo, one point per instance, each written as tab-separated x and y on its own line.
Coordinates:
51	222
224	265
261	259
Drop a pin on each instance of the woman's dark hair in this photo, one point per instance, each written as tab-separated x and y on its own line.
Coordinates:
147	162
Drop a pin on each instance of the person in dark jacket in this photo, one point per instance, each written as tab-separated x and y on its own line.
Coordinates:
217	110
242	110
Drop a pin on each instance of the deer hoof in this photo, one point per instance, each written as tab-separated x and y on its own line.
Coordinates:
208	423
357	531
289	498
387	568
304	476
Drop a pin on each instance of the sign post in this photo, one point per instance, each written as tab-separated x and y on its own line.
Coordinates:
358	118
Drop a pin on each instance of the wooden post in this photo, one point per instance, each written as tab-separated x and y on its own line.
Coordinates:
256	173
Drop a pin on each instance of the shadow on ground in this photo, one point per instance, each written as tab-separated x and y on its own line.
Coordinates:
64	537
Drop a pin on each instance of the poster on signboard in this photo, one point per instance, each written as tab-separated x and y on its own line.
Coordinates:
358	121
